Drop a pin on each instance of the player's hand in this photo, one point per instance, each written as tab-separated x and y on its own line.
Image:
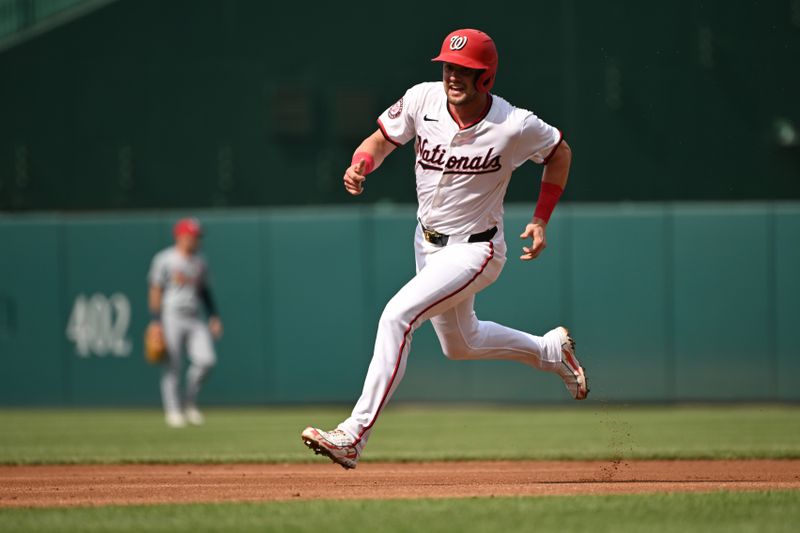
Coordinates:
215	327
535	231
354	178
157	328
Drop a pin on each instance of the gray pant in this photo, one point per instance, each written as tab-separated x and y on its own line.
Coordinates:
192	334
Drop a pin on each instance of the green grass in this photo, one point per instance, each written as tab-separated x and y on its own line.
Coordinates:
587	431
728	512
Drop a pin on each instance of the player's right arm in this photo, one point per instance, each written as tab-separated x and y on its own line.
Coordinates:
368	156
154	301
155	291
396	128
154	304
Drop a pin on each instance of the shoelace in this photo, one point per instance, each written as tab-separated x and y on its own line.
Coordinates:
339	437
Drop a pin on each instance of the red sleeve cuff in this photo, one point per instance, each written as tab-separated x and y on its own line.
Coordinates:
369	161
386	135
549	195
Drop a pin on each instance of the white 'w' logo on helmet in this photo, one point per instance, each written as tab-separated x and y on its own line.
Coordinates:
457	42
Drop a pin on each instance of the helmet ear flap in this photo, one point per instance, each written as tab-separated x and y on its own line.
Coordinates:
485	81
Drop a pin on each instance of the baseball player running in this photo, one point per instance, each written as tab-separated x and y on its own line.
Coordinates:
467	143
178	284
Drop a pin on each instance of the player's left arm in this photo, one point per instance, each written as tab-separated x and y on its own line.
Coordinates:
214	322
554	180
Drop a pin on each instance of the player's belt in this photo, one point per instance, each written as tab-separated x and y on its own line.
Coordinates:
440	239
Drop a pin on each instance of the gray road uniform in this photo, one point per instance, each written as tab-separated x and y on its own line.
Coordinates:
184	284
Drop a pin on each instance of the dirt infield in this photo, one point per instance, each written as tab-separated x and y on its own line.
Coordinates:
40	486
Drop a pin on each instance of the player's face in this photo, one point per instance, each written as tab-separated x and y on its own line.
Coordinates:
189	243
459	84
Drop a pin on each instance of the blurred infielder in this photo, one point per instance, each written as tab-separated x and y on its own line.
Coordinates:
467	143
178	285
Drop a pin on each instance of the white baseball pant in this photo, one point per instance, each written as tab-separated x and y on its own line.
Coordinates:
443	291
191	333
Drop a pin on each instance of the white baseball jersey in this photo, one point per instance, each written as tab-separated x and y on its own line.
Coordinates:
180	278
463	173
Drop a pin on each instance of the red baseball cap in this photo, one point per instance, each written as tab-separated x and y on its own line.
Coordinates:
187	226
472	49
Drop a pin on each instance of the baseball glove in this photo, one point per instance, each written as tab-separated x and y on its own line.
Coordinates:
155	348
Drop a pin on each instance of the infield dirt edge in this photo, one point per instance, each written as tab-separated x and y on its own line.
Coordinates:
94	485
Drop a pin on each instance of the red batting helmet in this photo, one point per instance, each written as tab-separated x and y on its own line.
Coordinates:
471	49
187	226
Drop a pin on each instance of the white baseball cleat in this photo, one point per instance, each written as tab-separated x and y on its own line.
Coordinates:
194	416
175	420
337	445
571	370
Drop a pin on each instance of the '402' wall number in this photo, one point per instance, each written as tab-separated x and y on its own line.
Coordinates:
99	325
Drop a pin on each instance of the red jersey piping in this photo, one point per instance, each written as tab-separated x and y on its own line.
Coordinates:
480	117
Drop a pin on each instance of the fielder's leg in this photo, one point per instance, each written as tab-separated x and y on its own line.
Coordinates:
170	371
202	357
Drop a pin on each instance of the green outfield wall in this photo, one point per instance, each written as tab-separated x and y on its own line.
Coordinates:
667	302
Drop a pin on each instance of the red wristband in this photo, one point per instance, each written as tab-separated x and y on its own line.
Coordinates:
548	198
369	161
